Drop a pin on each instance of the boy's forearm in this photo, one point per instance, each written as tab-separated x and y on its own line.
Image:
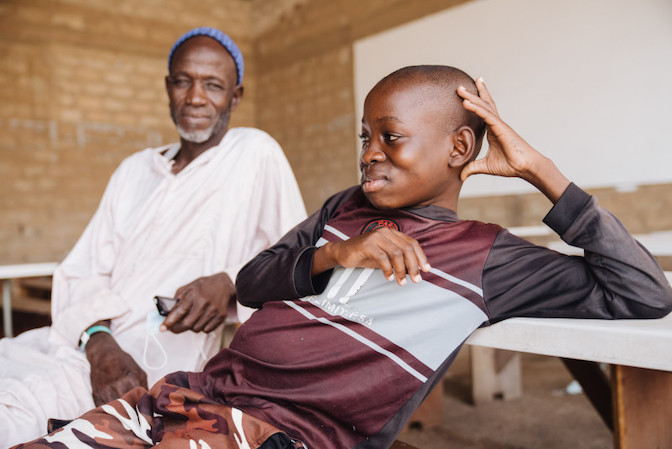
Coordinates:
617	278
547	178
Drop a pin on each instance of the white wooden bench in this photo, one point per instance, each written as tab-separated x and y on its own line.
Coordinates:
640	352
634	349
9	272
496	373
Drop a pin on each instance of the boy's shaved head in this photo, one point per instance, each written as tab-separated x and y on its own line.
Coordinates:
441	84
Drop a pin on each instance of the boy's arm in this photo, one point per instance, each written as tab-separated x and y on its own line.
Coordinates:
294	267
283	271
617	278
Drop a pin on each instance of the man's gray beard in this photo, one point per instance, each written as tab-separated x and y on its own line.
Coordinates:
200	136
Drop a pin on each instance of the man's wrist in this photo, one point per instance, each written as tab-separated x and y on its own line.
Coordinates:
89	332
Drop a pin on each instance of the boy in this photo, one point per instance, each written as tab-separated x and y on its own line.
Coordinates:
344	347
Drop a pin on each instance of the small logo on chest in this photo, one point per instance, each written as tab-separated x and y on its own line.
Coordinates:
380	223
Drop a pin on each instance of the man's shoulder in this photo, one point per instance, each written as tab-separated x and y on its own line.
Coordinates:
142	158
252	137
150	152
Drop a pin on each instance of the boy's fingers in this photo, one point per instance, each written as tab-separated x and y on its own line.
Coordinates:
479	108
466	95
482	105
491	118
407	257
389	257
423	262
413	258
485	94
393	252
382	261
397	258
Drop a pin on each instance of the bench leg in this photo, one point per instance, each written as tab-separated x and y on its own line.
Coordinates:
7	307
595	385
642	407
495	374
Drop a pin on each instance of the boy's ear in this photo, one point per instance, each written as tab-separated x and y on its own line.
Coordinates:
464	145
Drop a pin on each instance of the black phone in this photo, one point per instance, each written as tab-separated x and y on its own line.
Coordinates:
164	304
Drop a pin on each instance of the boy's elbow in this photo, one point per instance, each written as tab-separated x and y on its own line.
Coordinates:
666	306
244	290
244	299
663	306
248	302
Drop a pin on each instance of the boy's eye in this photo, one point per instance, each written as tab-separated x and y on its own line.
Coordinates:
390	137
365	140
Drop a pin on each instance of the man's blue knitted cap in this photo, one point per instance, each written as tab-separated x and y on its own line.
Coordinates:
220	37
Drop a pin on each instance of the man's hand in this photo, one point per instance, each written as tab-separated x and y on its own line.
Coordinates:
509	154
392	251
113	371
202	304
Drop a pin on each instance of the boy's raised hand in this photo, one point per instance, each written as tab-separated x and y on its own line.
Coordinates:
392	251
509	154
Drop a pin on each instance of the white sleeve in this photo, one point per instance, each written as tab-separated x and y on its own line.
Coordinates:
80	293
276	205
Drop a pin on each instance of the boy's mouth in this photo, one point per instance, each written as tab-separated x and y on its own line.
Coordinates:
372	183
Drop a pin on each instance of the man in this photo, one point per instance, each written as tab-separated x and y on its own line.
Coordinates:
365	304
180	221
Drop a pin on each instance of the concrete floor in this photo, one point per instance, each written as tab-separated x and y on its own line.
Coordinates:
546	417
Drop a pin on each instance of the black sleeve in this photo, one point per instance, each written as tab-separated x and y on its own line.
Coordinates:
283	271
616	278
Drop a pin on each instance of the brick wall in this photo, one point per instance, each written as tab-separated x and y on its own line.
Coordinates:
82	89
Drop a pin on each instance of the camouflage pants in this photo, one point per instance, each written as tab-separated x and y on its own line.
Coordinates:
169	416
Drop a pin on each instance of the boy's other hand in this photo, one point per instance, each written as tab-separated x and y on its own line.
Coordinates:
509	154
392	251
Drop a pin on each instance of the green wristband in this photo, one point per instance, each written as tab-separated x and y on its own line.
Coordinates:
86	335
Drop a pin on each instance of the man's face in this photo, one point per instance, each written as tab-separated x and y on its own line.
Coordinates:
202	90
405	148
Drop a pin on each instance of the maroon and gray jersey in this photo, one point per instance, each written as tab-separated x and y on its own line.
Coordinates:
342	360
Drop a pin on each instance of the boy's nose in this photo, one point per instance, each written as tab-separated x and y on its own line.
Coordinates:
372	153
